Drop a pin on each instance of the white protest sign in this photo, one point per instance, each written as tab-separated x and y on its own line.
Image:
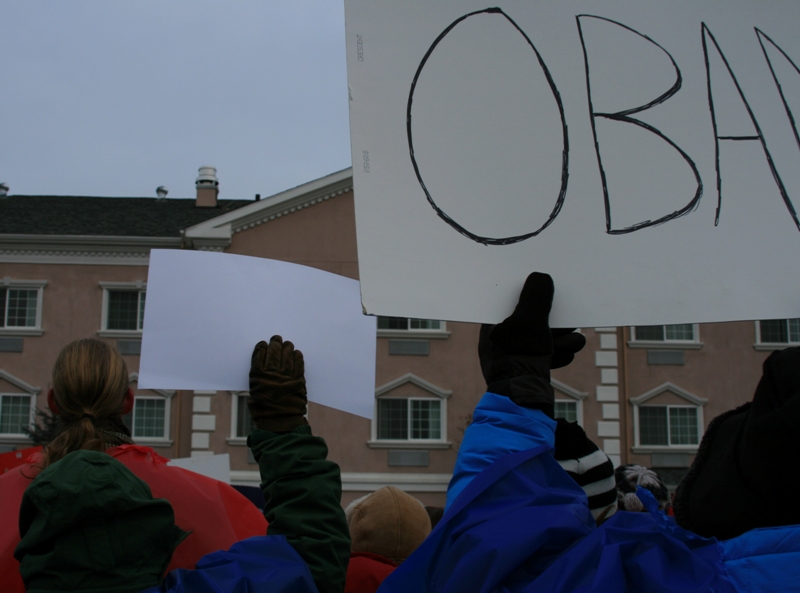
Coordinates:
206	311
642	152
217	467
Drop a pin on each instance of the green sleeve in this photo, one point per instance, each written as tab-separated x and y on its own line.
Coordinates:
303	494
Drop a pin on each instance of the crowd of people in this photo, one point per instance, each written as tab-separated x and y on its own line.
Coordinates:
533	504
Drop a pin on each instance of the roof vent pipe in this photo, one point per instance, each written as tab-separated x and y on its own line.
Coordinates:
161	192
207	186
3	190
207	176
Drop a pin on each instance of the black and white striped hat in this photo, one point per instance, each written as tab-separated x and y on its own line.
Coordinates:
590	467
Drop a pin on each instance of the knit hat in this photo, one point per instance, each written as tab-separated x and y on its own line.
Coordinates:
629	478
388	522
590	467
89	524
747	457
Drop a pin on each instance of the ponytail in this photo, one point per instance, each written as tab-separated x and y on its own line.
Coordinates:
90	380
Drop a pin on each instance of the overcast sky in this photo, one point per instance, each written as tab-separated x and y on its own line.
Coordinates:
116	98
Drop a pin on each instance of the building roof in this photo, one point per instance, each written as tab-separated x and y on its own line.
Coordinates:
92	216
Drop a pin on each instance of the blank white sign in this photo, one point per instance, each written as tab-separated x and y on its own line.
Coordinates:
205	312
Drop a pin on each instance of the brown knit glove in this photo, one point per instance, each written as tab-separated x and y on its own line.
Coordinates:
277	386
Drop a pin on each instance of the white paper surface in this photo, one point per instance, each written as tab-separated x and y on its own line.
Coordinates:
206	311
473	120
217	467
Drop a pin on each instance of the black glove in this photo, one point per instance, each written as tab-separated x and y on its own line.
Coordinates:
277	399
517	355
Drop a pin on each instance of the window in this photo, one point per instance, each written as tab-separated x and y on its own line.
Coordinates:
409	419
410	413
568	402
683	336
779	331
147	419
242	423
683	332
123	309
668	426
667	418
568	410
409	324
20	306
15	412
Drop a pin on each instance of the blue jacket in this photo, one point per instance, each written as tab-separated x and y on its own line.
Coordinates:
515	522
263	564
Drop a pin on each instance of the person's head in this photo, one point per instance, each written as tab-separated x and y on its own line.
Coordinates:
388	522
90	394
629	478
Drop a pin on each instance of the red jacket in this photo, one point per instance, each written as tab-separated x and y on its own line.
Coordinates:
366	572
216	514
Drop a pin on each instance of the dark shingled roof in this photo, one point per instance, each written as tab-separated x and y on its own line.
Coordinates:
122	217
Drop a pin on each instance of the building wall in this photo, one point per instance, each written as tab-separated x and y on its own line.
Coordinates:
722	369
72	309
323	236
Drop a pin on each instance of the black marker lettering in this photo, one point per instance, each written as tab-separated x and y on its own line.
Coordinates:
625	117
759	136
565	153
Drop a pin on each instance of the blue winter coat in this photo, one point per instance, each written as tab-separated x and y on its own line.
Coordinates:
264	564
516	522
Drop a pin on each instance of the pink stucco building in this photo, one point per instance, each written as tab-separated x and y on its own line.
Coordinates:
73	267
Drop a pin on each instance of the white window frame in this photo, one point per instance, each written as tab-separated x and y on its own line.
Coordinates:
25	389
107	287
234	439
693	344
38	286
440	333
691	399
431	392
166	395
573	396
767	346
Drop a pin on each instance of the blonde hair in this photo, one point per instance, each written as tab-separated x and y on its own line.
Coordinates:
90	380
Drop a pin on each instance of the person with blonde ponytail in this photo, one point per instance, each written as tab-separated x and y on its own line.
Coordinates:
90	394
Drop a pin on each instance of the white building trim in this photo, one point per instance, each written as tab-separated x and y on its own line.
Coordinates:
215	234
667	387
82	249
25	389
165	394
366	481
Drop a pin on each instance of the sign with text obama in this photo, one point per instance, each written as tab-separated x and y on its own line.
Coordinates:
644	153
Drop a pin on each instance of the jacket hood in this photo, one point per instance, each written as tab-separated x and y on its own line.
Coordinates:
87	523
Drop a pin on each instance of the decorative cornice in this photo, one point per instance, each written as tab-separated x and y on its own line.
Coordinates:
368	482
419	382
19	383
659	345
166	393
82	249
567	390
215	234
289	207
422	445
671	388
414	334
418	482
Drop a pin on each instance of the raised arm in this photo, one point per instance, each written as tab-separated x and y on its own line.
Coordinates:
301	487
